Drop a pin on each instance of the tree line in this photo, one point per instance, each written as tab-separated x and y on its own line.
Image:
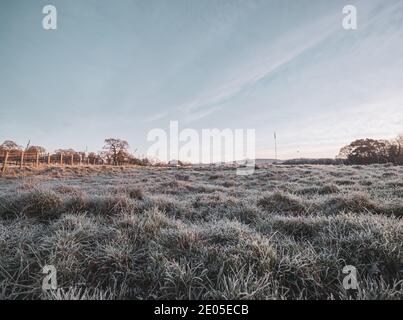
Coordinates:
371	151
114	152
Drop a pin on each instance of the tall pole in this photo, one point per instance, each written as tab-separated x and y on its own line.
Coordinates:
275	146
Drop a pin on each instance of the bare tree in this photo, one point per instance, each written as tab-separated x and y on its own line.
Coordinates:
9	145
398	142
35	150
66	152
116	150
94	158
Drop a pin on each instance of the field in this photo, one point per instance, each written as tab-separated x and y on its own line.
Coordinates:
285	232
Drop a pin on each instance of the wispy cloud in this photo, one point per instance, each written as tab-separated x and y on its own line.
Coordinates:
259	66
156	116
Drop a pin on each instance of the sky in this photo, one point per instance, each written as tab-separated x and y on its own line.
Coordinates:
121	68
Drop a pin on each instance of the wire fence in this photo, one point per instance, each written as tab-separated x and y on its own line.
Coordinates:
21	158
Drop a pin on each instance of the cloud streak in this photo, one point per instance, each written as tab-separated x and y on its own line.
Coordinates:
260	66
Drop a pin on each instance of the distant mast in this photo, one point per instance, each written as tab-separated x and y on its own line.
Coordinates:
275	146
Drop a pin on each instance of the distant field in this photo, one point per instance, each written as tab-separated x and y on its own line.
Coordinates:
285	232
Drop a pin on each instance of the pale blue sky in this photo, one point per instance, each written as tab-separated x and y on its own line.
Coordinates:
120	68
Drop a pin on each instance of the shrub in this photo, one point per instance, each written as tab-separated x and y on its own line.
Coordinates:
39	203
355	202
135	193
281	202
102	205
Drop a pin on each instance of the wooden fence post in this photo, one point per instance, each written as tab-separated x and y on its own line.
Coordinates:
22	159
72	159
37	159
5	163
81	159
61	159
48	158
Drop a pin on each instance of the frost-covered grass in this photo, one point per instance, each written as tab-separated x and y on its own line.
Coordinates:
285	232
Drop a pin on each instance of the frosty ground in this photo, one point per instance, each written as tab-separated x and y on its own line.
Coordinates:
285	232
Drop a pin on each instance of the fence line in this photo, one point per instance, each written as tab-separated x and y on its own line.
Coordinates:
21	158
